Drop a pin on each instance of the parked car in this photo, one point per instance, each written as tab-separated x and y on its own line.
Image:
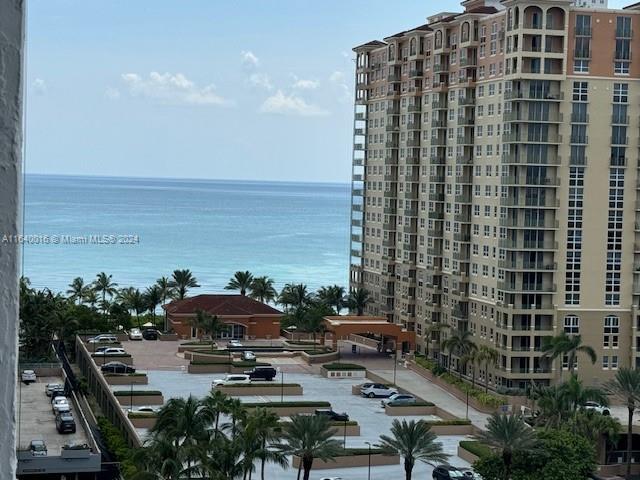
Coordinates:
112	351
104	339
597	407
234	344
372	390
135	334
469	474
38	448
331	415
398	399
331	478
65	423
232	379
117	367
51	387
28	376
147	409
60	404
248	356
150	334
447	472
262	373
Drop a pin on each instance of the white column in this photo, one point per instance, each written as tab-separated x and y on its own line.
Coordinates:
12	22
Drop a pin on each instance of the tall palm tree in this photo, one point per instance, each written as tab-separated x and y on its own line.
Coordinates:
91	297
104	286
551	403
430	331
237	412
489	356
414	441
166	291
214	405
182	281
159	459
152	298
220	458
260	432
459	344
309	437
626	386
508	433
358	300
311	319
294	296
207	324
333	296
78	290
240	281
133	299
577	395
184	423
262	289
569	345
471	358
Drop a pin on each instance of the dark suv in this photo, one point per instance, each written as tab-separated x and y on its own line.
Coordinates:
150	334
333	416
262	373
65	423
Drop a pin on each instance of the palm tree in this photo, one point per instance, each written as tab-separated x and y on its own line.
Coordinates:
208	325
294	296
240	281
182	281
577	395
104	286
459	344
311	319
471	357
262	289
413	441
626	386
214	405
166	291
184	423
569	345
488	355
358	299
78	290
260	430
552	405
220	458
309	437
509	434
430	331
333	296
159	459
593	426
133	300
153	297
91	297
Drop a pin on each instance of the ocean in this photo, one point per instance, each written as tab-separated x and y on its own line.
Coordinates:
139	229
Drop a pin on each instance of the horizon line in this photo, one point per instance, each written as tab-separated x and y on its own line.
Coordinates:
140	177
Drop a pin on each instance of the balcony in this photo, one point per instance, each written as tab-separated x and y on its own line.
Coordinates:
533	95
465	140
529	181
463	198
438	123
436	197
440	67
414	108
392	127
413	126
526	223
521	137
529	202
393	110
521	244
523	265
466	101
462	217
413	142
439	105
391	144
436	178
415	73
436	215
462	237
466	120
519	286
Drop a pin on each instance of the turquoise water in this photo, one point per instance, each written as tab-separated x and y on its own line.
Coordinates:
293	232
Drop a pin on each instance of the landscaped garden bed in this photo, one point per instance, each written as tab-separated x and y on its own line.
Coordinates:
355	457
143	419
126	379
343	370
418	408
286	409
472	450
458	426
139	397
262	388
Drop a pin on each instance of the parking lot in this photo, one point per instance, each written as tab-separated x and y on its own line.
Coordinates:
37	422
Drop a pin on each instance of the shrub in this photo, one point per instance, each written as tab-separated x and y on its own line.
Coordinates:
479	449
318	404
117	445
142	414
343	366
456	421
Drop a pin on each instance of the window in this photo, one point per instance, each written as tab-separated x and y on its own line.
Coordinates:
571	325
611	331
580	91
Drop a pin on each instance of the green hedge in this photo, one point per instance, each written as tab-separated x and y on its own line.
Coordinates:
117	445
479	449
136	393
343	366
233	364
143	415
350	452
457	421
319	404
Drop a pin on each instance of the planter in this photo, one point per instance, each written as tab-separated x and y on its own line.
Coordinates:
290	408
102	359
115	379
269	388
377	459
168	337
343	373
219	368
410	410
320	358
466	455
137	399
143	422
445	429
352	430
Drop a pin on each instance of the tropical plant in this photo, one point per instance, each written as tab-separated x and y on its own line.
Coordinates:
159	459
489	356
152	298
105	286
459	344
133	300
333	296
358	300
310	319
91	297
432	331
508	433
413	441
626	387
577	395
209	325
309	437
241	281
182	281
569	345
261	431
262	289
78	290
471	358
294	296
593	425
166	291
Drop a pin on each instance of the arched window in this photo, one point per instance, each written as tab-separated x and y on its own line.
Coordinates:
438	40
392	55
571	325
412	47
464	32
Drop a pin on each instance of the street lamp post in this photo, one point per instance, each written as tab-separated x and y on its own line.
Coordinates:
131	396
281	385
344	443
467	404
369	471
395	365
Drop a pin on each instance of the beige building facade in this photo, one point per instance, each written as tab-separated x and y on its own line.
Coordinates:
495	180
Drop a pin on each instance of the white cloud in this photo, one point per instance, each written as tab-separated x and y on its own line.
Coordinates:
172	88
303	84
336	77
279	103
39	86
249	59
112	93
261	80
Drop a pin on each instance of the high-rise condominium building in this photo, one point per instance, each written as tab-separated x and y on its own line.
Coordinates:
495	183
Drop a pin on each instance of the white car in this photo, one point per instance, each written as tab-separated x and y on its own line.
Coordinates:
398	399
331	478
135	334
373	390
112	351
28	376
60	404
597	407
234	344
104	339
51	387
233	379
248	356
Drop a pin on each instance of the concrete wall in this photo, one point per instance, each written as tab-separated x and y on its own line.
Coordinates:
12	22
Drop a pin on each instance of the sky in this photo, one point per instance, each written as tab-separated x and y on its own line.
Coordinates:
207	89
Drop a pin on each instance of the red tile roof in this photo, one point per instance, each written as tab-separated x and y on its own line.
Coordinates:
222	305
